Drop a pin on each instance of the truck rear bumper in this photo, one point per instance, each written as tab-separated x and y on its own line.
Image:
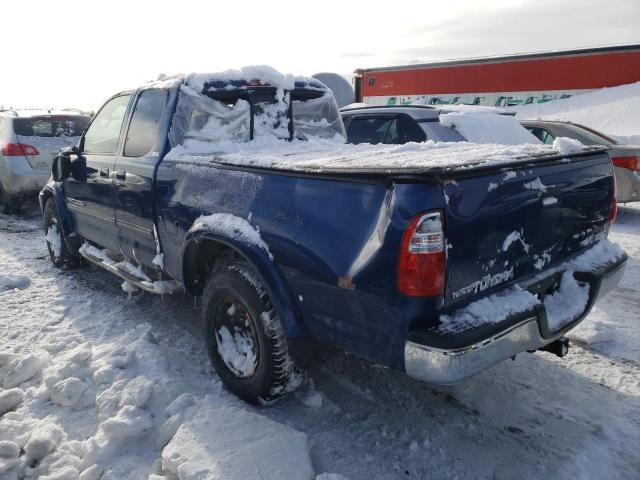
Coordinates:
526	332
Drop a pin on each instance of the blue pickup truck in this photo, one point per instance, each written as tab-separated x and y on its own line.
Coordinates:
439	260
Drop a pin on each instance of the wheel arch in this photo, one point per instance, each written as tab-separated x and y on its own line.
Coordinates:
205	250
66	220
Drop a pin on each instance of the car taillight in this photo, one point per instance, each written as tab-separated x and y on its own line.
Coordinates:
422	263
630	163
18	149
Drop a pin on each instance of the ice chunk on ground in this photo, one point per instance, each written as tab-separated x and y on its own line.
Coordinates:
66	473
309	396
94	472
9	449
10	282
10	399
22	369
136	393
331	476
43	440
235	444
7	464
67	392
128	423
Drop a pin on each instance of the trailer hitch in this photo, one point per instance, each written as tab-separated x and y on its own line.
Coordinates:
559	347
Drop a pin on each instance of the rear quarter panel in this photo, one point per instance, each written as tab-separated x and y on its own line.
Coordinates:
335	242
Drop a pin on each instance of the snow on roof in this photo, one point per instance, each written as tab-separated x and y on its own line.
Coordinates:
250	75
487	127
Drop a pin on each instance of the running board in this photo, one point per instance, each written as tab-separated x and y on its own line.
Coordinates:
158	287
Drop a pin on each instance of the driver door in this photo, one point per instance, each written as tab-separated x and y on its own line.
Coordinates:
89	191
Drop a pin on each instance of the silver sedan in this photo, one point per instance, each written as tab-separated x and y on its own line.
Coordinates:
625	158
29	141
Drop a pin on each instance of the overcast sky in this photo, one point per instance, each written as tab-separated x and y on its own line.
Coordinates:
77	53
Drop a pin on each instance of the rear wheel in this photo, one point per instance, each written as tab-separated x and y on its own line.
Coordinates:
9	205
244	337
58	251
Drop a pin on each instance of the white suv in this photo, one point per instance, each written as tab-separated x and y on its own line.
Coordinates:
29	141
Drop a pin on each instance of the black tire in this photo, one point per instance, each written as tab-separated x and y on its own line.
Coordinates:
60	256
9	205
267	371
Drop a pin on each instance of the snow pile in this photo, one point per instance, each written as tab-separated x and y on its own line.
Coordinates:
567	145
488	127
567	303
263	73
107	411
492	309
10	282
53	238
232	226
229	443
614	111
562	307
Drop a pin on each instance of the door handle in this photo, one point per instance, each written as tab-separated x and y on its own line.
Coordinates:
121	175
104	172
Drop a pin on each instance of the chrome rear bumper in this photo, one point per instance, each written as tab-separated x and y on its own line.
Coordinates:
444	366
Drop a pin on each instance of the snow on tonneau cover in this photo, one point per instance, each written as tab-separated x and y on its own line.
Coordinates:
511	210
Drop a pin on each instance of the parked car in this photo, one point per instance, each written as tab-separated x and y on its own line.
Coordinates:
625	158
29	141
396	124
399	124
235	188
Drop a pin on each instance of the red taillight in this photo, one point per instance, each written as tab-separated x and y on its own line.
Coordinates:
18	149
422	263
630	163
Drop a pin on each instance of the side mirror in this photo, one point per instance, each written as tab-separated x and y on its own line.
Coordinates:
61	167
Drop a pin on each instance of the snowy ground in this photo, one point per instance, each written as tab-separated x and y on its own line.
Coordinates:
101	401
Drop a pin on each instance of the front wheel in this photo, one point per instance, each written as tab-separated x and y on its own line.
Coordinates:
58	251
244	337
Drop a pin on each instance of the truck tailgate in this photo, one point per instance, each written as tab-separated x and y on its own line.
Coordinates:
508	225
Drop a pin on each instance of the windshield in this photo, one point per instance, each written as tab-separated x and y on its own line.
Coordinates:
50	126
205	122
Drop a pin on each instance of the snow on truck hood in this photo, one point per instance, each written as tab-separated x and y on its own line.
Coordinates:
325	155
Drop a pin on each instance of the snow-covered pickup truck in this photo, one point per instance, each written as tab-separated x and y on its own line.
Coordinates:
438	259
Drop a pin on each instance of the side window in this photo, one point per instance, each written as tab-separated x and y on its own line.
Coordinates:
543	134
409	131
143	129
373	130
439	133
104	132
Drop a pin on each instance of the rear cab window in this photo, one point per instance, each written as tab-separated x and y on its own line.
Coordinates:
50	126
